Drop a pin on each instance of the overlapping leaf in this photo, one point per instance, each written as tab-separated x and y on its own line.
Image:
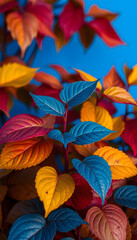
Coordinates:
23	28
120	164
48	79
32	226
7	5
91	112
109	223
52	189
21	127
18	75
78	92
65	219
97	12
112	79
119	95
65	138
88	132
26	153
118	127
97	173
126	196
71	19
82	195
49	105
105	30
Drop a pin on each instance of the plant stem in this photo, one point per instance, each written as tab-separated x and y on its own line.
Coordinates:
65	119
78	231
32	57
66	159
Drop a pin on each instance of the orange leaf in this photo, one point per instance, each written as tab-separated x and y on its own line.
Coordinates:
118	127
23	27
48	79
60	38
119	95
96	12
132	78
112	79
90	112
120	164
26	153
108	223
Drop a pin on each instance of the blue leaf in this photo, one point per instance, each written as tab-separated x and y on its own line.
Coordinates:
89	132
97	173
33	227
78	92
64	138
66	219
126	196
49	105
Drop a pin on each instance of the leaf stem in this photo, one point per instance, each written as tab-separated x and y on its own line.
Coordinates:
65	119
126	113
66	159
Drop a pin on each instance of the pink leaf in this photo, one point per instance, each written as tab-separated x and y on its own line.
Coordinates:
4	101
71	19
105	30
5	7
22	127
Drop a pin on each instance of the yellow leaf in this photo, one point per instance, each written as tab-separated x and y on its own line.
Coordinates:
118	127
132	78
18	75
90	112
88	77
23	27
26	153
52	189
120	164
119	95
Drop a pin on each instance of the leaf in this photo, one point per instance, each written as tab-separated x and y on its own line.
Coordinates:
60	38
21	127
89	149
45	90
91	112
87	77
120	164
78	92
88	132
97	12
4	98
32	226
71	19
52	189
130	134
25	207
48	79
129	235
119	95
65	219
105	30
26	153
49	105
7	5
86	35
97	173
108	223
118	127
64	138
108	105
82	195
23	28
132	77
126	196
18	75
112	79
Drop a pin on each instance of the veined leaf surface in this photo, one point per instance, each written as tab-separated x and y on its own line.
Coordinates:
52	189
78	92
21	127
120	164
97	173
49	105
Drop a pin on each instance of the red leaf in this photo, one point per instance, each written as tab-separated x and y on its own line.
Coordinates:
61	70
5	7
130	134
72	116
45	90
108	106
4	101
82	194
105	30
71	19
48	79
22	127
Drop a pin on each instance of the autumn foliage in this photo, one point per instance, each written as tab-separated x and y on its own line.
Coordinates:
72	173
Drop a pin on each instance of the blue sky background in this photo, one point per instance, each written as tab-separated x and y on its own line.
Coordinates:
98	58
